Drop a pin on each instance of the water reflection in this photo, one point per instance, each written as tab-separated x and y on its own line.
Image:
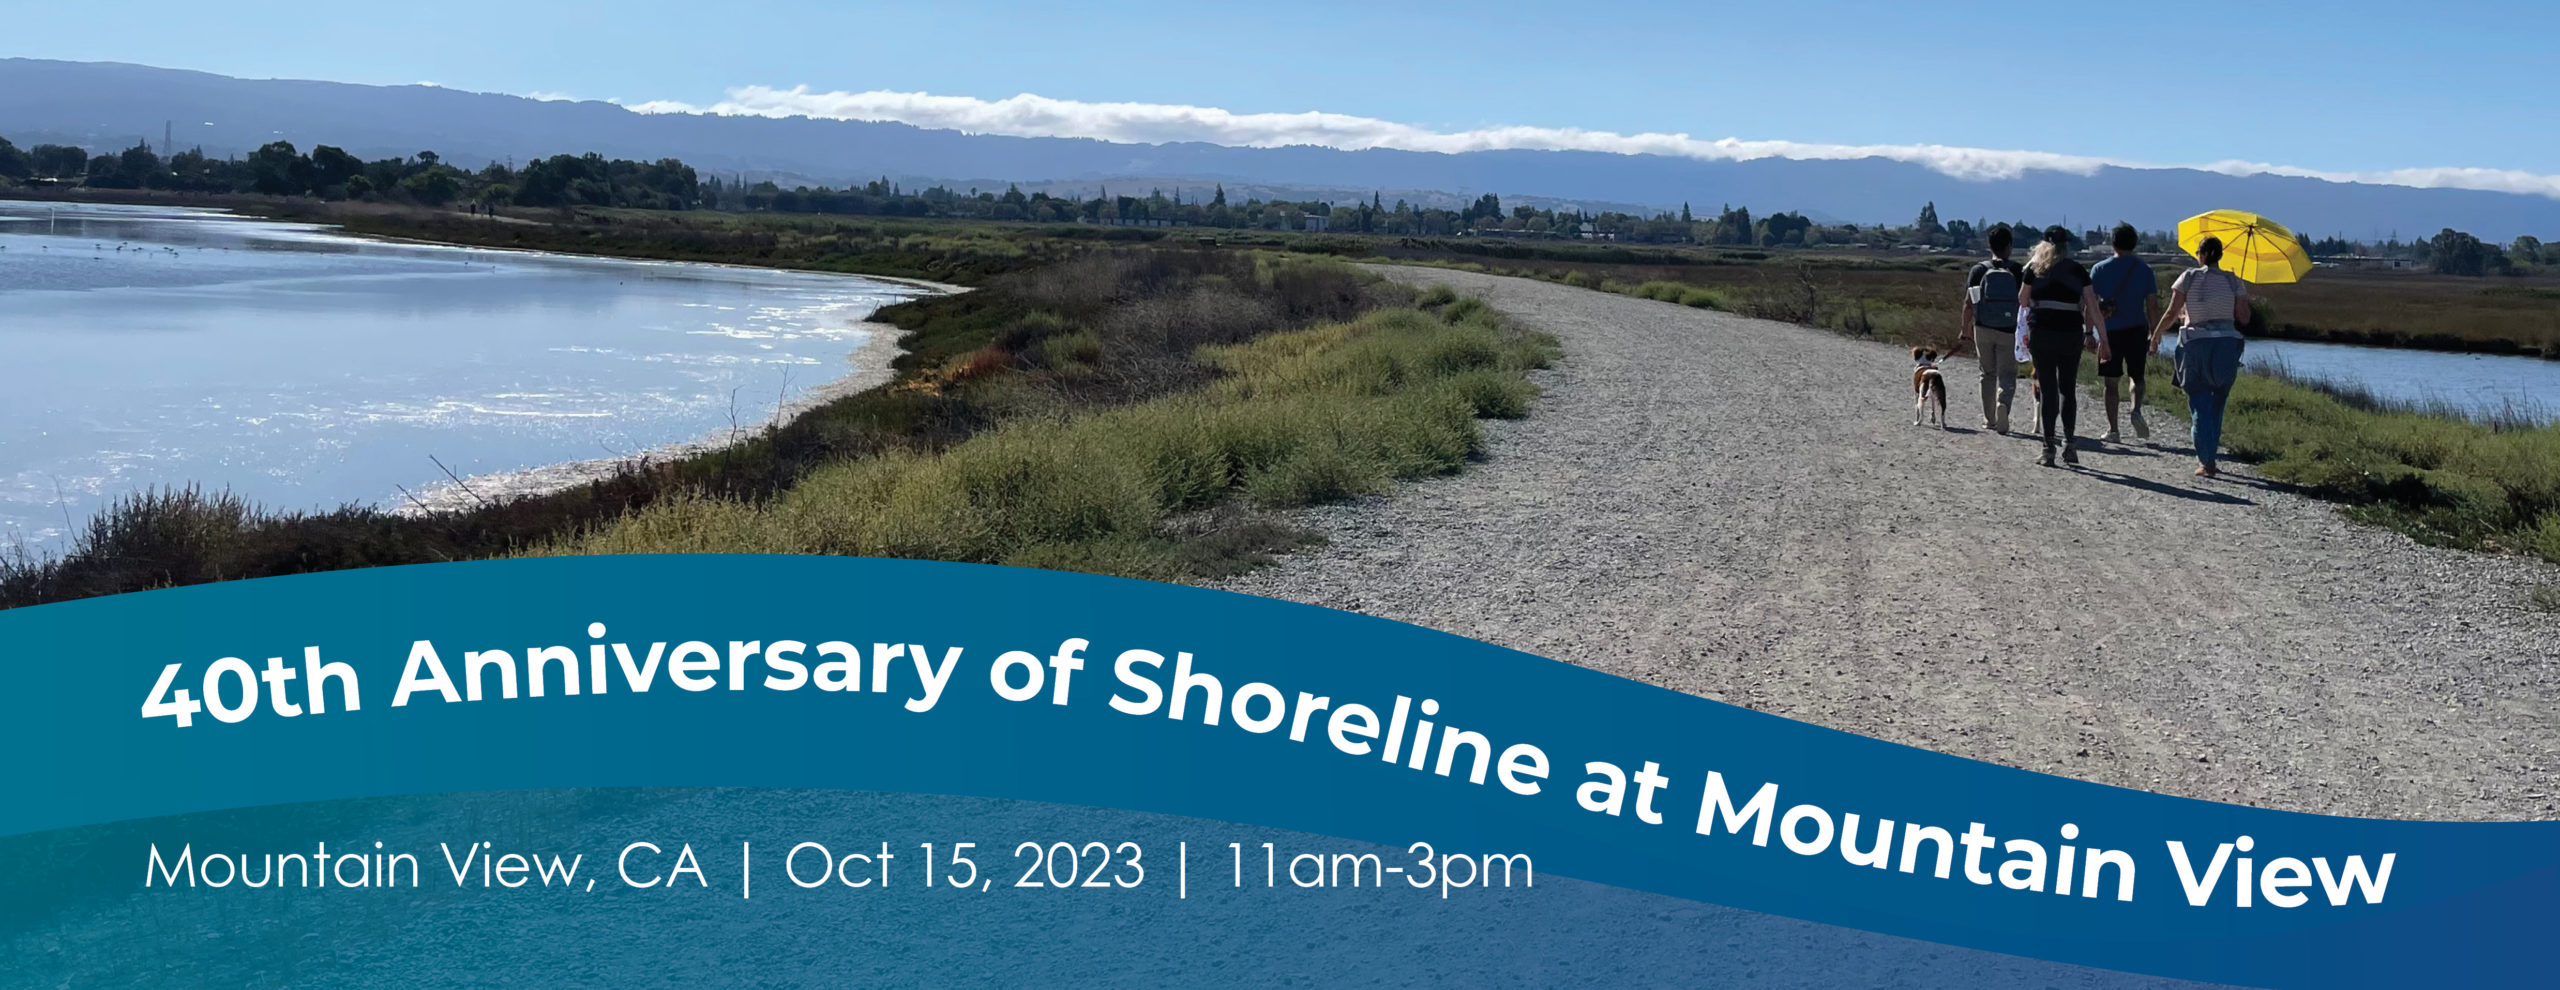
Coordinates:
303	368
2475	384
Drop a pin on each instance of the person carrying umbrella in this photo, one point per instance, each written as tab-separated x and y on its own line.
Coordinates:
2211	305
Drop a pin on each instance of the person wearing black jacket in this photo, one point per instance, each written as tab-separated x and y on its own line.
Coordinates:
2061	311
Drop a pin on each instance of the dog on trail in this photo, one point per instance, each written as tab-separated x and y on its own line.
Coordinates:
1928	388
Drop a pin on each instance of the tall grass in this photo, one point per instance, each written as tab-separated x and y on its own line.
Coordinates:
1663	290
1295	418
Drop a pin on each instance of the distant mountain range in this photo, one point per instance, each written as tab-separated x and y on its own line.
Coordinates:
108	106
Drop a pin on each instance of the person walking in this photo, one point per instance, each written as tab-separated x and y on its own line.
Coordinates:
2061	310
2125	285
2210	304
1991	325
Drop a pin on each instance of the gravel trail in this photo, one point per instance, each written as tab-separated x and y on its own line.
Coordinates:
1742	510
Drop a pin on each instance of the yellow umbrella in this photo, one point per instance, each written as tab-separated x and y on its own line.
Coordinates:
2253	247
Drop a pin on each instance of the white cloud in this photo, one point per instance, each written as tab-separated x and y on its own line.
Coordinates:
1028	115
548	96
2485	179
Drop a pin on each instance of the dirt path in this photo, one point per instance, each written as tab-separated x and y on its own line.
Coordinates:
1695	504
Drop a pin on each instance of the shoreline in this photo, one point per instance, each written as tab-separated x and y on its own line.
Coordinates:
869	369
339	227
867	364
921	283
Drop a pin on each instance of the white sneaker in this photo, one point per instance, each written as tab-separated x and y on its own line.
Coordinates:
2111	437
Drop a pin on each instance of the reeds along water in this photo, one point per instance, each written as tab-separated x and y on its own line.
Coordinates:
2506	413
2464	477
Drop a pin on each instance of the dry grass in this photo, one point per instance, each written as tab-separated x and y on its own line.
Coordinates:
1295	418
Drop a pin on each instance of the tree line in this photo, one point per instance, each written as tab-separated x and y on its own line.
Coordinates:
329	172
326	171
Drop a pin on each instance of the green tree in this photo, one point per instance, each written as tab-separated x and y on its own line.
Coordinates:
277	169
57	161
1927	226
331	167
1733	226
14	164
1783	228
431	185
2528	248
138	167
2452	252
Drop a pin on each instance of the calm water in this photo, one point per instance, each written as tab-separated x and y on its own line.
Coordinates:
2478	383
301	368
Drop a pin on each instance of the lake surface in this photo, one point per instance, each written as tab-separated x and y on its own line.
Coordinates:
303	368
2481	384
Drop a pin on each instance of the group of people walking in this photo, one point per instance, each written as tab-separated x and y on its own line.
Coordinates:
2050	310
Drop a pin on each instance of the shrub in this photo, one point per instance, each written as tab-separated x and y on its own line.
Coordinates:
1493	394
1464	309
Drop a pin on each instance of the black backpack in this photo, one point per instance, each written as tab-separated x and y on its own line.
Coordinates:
1995	298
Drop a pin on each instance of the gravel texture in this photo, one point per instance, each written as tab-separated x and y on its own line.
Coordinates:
1743	510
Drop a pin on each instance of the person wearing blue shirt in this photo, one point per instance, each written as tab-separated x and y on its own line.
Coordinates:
2125	285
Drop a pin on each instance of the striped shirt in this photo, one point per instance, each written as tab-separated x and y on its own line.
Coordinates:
2212	294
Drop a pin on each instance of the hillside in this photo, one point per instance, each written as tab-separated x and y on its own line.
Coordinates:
111	105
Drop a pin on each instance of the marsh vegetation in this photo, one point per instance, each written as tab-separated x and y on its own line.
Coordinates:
1122	409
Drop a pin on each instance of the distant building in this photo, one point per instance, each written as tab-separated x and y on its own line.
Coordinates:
1316	222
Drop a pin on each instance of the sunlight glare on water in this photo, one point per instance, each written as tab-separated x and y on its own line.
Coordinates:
303	368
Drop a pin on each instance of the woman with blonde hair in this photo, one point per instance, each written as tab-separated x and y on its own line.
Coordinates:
2211	303
2063	309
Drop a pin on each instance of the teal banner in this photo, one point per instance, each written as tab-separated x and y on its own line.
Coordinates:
946	679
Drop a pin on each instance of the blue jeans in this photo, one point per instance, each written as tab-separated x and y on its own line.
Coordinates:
2207	368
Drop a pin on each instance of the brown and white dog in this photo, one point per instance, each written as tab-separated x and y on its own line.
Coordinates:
1928	388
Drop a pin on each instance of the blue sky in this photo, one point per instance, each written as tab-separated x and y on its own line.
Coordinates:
2343	86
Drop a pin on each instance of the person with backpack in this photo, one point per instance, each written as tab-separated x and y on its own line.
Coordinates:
2061	309
1991	324
2125	285
2212	304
